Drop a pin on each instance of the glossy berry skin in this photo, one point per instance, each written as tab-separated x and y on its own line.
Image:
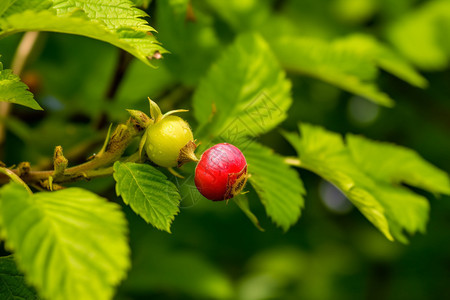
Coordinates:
221	172
165	139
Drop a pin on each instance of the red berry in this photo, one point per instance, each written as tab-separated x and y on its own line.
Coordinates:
221	172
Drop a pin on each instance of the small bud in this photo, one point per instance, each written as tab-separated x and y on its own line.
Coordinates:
141	118
23	168
59	161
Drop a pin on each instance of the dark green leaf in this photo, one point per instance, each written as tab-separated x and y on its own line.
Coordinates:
12	282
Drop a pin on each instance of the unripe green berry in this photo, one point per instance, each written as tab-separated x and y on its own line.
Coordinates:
165	139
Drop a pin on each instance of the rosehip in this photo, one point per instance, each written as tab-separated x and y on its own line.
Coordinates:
165	139
221	172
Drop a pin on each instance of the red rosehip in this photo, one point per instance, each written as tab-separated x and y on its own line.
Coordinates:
221	172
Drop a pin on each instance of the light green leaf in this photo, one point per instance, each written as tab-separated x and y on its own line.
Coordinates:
419	35
278	185
13	90
12	282
115	14
242	201
18	6
368	47
148	192
71	244
242	15
120	25
336	66
350	63
395	164
244	94
324	153
368	173
4	5
194	44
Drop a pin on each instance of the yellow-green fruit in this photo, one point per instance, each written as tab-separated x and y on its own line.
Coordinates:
165	139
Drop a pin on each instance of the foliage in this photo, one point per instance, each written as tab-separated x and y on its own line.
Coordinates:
370	173
115	22
73	235
148	192
252	72
15	91
13	284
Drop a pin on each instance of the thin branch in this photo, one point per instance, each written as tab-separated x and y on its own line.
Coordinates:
123	62
99	166
15	178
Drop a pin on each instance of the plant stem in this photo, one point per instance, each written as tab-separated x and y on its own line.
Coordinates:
123	62
99	166
15	178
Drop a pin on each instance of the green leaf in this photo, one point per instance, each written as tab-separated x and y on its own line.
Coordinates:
12	282
368	47
254	98
18	6
278	185
148	192
369	173
242	201
194	44
338	67
4	5
242	15
142	3
349	63
13	90
115	14
71	244
396	164
324	153
120	24
420	35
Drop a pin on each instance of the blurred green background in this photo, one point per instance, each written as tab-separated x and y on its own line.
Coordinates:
214	252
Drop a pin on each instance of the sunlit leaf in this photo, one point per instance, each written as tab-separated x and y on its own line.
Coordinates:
419	35
369	173
350	63
245	93
148	192
71	244
278	185
116	22
13	90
